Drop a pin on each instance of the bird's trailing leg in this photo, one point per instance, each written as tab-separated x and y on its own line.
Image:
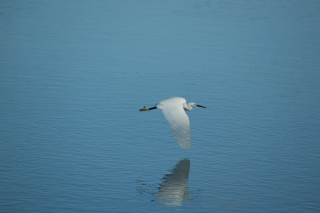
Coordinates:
146	109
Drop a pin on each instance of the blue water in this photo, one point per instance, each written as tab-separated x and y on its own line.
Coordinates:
73	75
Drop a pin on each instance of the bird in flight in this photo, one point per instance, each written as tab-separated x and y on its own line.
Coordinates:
173	110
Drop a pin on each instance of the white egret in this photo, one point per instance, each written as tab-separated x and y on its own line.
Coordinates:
174	111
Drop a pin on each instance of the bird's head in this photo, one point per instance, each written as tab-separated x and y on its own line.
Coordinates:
196	105
192	104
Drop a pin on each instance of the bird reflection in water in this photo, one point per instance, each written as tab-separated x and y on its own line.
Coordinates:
173	190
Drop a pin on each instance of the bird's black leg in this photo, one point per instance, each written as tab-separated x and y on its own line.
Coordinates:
146	109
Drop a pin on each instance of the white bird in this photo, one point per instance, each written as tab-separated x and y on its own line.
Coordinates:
173	111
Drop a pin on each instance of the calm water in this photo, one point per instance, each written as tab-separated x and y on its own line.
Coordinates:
73	75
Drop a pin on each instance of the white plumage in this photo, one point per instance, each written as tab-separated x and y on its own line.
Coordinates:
174	111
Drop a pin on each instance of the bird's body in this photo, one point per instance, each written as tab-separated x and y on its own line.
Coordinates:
174	111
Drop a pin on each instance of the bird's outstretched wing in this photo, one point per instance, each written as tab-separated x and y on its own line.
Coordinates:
179	124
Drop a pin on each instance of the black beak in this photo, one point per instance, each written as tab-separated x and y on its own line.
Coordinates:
201	106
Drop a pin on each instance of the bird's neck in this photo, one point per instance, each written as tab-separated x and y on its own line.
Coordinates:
187	107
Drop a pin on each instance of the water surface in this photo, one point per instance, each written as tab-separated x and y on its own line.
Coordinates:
74	74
